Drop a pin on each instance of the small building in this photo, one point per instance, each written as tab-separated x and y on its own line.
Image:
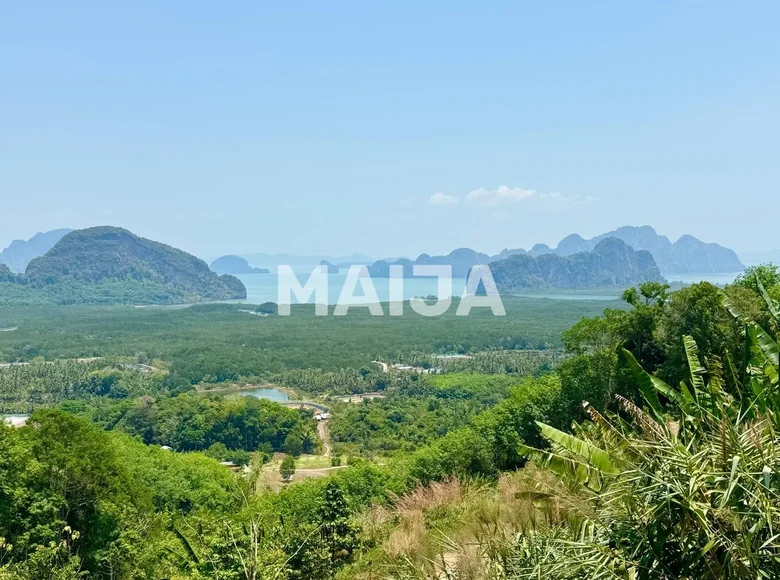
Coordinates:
16	420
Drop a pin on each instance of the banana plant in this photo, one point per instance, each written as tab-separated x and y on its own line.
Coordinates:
686	487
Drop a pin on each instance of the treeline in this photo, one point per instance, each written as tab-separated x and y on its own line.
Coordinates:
499	360
366	379
77	502
219	343
228	428
427	408
651	330
26	387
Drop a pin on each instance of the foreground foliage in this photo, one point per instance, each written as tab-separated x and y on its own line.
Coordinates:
665	482
688	491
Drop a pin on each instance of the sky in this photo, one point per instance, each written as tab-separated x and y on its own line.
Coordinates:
390	128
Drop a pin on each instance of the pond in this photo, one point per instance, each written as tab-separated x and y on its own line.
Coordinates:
270	393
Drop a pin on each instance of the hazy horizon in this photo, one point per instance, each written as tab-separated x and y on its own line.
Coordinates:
210	256
390	130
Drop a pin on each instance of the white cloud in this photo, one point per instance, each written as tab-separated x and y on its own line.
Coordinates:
505	195
442	199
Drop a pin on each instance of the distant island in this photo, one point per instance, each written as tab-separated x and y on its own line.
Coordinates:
109	265
235	265
461	261
330	268
687	255
20	253
612	263
274	260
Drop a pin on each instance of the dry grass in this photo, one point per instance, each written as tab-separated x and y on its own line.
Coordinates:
454	530
437	494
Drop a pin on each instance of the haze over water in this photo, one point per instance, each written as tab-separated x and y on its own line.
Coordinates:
263	287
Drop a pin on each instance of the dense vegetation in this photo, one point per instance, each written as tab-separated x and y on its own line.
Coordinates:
221	343
112	265
192	422
372	378
79	502
26	387
6	276
495	471
419	412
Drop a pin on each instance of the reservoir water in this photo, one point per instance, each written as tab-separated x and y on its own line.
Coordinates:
270	393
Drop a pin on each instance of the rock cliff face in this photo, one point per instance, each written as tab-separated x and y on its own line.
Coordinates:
612	263
685	256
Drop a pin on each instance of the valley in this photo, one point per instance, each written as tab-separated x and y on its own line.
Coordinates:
389	291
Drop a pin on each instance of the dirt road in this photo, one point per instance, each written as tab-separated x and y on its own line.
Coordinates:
322	432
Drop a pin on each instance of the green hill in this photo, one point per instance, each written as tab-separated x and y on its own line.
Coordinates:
108	265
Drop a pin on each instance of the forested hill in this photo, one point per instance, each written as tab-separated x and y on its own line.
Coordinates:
109	264
5	274
611	263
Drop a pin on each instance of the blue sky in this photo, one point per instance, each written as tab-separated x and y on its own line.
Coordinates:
390	128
